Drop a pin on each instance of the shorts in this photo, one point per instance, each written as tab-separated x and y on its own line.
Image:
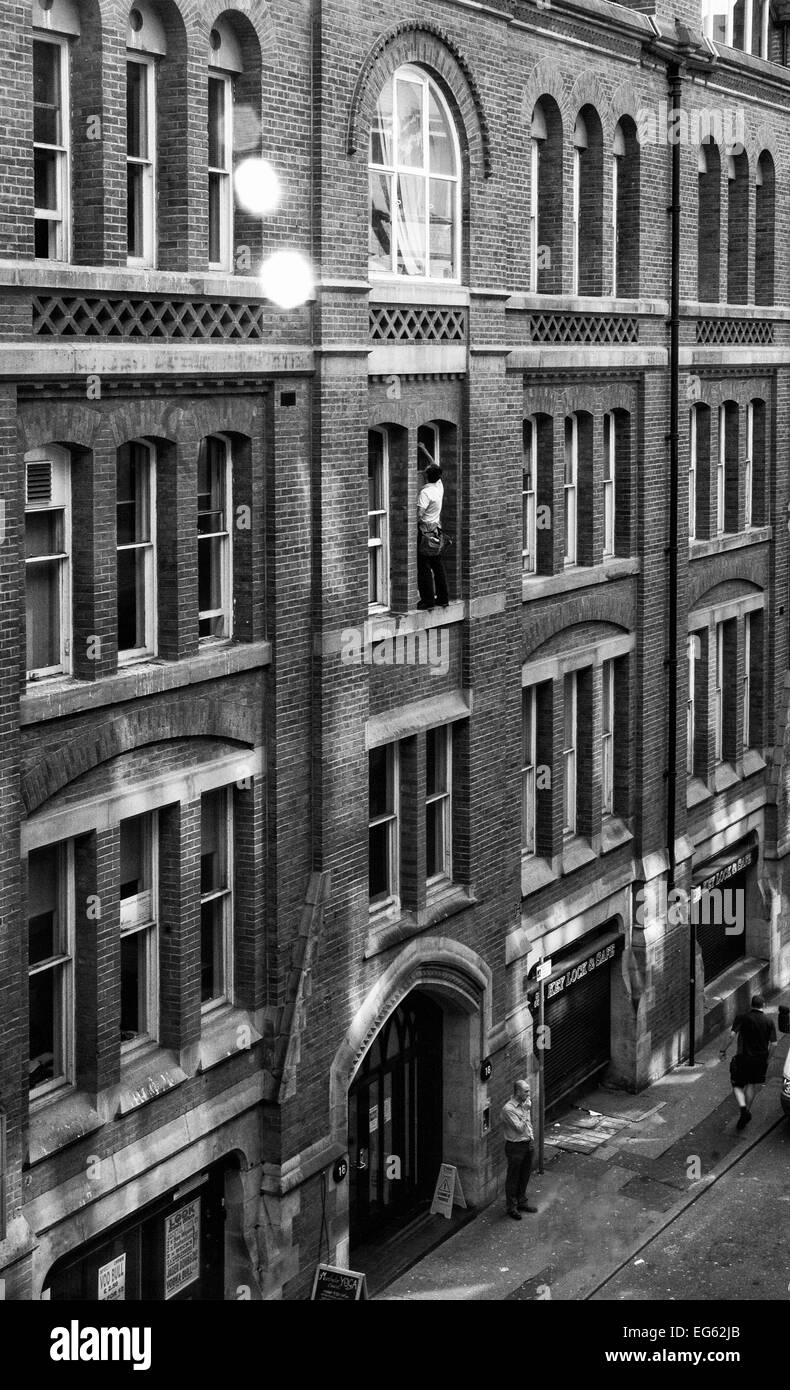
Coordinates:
748	1071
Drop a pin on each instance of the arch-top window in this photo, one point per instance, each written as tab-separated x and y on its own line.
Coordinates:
764	231
737	227
545	199
709	222
625	209
415	183
587	203
47	561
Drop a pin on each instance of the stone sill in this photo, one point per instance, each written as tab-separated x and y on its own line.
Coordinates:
388	929
694	309
225	1033
576	852
696	792
150	1074
58	698
724	776
400	291
59	1120
536	873
614	833
59	276
379	626
526	301
535	586
716	545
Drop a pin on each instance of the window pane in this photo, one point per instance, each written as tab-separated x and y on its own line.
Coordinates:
442	153
131	599
375	472
380	238
136	111
134	210
381	129
135	860
211	486
212	982
216	123
46	95
45	180
379	861
411	151
133	508
526	728
133	985
212	841
435	761
42	610
209	573
44	1031
434	838
43	895
43	533
411	225
380	782
442	229
44	239
215	217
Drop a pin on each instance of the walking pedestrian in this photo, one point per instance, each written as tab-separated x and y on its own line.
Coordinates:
519	1137
756	1036
431	573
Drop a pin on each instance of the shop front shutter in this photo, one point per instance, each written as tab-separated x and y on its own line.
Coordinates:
720	949
579	1019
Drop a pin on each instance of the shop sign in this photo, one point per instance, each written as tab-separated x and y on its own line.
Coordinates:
112	1280
182	1248
333	1285
728	871
580	971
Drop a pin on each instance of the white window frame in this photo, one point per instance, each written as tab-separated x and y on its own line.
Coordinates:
63	962
607	737
748	504
223	176
409	73
225	538
224	896
148	163
140	915
712	7
570	743
529	517
609	484
59	217
444	797
719	701
747	680
131	654
391	818
580	142
529	750
538	134
60	464
694	654
693	427
721	473
570	489
379	521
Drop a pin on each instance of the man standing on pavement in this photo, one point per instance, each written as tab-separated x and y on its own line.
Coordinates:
756	1036
518	1136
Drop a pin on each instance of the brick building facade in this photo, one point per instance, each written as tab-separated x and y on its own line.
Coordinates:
279	850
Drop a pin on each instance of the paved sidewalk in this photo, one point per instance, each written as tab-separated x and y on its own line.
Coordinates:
618	1179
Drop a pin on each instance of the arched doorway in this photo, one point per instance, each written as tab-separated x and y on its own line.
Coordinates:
395	1119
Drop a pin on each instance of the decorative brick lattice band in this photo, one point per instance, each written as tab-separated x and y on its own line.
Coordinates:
746	332
416	323
582	328
81	316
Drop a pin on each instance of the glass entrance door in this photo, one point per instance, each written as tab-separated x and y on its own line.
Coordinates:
395	1119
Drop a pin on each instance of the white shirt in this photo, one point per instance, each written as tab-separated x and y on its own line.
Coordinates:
429	503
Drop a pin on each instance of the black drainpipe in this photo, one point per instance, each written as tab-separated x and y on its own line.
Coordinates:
675	87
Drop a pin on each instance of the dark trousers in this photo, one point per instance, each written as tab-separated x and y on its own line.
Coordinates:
519	1166
430	571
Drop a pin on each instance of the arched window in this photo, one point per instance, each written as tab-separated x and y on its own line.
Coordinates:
587	203
48	561
136	550
578	520
214	543
415	181
699	472
737	227
378	520
53	27
545	199
225	61
727	470
708	223
755	483
616	484
764	231
625	210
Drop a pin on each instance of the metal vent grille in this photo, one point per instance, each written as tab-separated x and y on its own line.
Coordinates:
610	329
39	481
414	323
735	332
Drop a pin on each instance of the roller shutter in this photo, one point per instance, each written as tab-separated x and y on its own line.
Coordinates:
579	1019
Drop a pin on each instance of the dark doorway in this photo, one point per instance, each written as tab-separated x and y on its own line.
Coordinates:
395	1120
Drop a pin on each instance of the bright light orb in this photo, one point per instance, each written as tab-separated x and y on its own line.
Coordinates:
287	278
257	187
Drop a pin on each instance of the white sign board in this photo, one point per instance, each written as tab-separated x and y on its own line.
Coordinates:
544	969
112	1280
448	1192
182	1248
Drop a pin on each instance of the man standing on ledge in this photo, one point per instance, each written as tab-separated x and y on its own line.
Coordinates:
430	567
518	1135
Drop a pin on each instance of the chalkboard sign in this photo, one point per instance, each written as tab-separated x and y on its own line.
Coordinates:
338	1285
